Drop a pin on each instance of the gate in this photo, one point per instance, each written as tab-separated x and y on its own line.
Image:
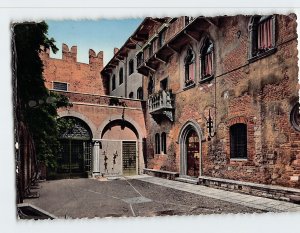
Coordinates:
74	158
129	151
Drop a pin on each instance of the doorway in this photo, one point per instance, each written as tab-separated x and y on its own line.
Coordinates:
129	154
193	155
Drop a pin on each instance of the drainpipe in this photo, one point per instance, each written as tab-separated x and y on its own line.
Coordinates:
126	75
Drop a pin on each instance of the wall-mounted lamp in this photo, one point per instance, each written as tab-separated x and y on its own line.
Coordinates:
210	126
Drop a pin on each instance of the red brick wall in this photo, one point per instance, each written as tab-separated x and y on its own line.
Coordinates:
261	93
81	77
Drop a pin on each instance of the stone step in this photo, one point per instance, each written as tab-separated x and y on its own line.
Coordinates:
189	180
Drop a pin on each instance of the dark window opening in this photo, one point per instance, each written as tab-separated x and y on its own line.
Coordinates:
150	50
113	83
150	85
161	38
140	59
131	66
164	143
189	67
60	86
139	93
157	143
207	59
238	141
121	76
164	84
130	95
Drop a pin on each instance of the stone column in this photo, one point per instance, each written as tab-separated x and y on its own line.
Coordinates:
96	158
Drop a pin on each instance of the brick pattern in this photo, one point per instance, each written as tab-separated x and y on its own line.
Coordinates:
80	77
261	94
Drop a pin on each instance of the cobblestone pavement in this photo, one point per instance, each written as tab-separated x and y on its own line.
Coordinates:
145	196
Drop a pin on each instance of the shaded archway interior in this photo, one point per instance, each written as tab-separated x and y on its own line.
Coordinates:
119	130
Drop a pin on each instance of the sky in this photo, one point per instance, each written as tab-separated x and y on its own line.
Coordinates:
99	35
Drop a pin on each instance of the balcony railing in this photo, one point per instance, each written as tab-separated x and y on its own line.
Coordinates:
161	103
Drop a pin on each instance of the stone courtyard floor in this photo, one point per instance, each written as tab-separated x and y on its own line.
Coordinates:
144	195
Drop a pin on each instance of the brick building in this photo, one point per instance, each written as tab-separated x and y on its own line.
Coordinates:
211	99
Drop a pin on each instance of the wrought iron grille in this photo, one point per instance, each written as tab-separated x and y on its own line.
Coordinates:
129	158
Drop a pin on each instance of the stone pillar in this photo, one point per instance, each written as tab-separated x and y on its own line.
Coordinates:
96	158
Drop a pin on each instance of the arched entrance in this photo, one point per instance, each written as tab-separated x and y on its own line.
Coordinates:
192	153
75	155
190	149
119	152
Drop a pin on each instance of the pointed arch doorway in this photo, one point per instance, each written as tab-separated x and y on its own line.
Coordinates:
190	150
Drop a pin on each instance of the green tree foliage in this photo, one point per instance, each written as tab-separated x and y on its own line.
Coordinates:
38	107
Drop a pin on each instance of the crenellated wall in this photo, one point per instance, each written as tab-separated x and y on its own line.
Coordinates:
80	77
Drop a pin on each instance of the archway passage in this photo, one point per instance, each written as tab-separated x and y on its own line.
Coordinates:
119	153
192	153
75	156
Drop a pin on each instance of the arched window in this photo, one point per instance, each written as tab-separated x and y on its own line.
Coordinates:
113	82
130	95
189	67
207	59
157	143
120	76
131	67
262	35
164	143
238	141
139	93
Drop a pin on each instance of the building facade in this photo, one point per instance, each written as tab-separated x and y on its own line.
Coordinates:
108	131
223	98
211	99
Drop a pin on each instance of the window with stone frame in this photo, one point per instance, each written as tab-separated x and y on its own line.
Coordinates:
238	141
130	67
60	86
164	142
113	82
262	36
157	143
189	67
207	56
121	76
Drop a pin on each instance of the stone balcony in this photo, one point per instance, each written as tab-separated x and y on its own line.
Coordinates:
161	104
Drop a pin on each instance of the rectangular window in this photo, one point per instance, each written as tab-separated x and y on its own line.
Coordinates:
238	141
60	86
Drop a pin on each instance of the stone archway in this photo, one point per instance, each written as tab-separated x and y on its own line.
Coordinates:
190	137
75	156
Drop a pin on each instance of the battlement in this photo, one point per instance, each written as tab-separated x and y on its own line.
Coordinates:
93	58
71	55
